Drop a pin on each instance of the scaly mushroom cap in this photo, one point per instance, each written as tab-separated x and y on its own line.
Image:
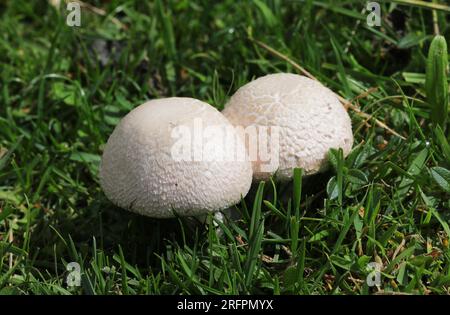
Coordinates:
143	168
310	118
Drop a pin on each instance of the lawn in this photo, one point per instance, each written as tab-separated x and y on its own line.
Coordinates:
64	88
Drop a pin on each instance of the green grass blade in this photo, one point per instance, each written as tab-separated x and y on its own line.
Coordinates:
436	85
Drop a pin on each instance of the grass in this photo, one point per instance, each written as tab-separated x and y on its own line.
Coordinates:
61	94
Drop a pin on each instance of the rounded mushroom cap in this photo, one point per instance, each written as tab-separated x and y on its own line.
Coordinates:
308	120
167	157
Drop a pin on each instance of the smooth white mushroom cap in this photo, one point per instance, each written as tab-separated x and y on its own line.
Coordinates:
143	169
310	118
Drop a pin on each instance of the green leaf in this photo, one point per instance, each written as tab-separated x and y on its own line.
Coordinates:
66	93
92	160
343	262
414	169
5	213
333	157
404	255
442	177
402	276
363	261
442	141
421	260
359	224
85	157
411	40
441	280
318	236
9	196
441	221
332	188
290	276
357	177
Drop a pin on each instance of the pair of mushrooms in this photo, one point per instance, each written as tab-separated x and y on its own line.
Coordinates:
169	156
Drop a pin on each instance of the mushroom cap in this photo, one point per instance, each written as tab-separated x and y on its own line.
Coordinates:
310	118
140	170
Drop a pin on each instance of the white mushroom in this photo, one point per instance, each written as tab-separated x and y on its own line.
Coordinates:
168	157
309	117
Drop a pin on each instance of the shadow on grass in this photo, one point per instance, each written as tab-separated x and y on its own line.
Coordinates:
142	239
